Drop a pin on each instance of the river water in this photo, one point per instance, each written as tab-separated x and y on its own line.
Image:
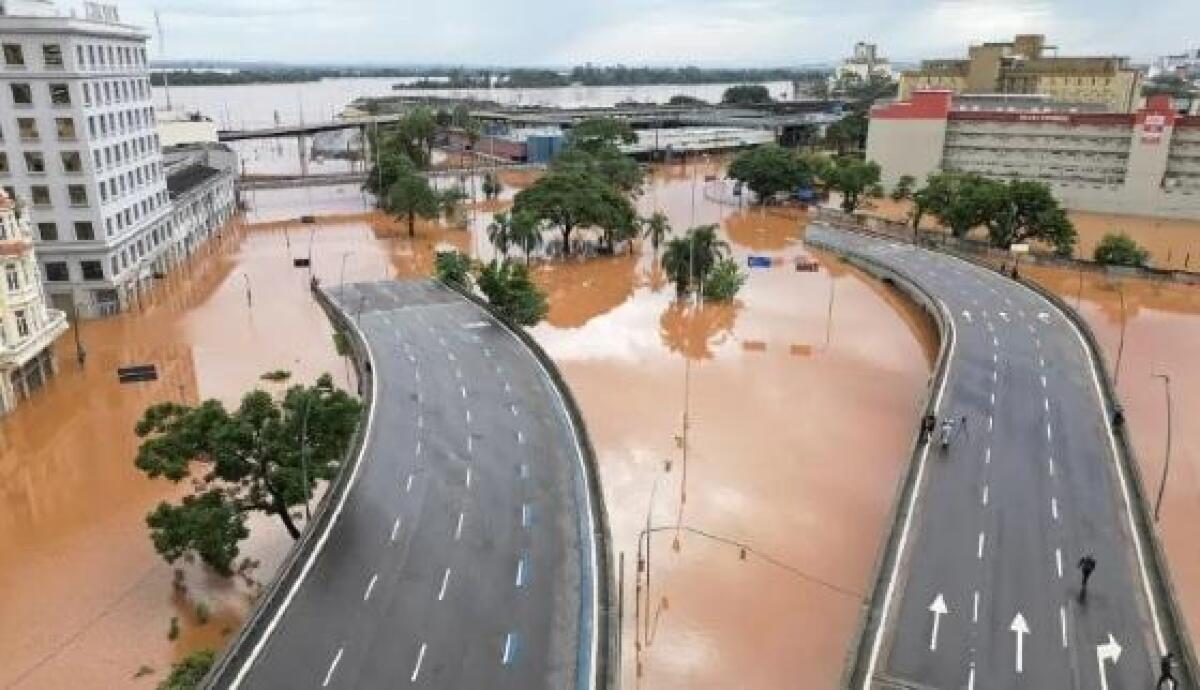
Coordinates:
257	105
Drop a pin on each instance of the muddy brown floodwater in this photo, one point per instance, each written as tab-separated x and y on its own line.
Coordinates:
801	399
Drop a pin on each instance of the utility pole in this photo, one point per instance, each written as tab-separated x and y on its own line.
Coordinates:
1121	345
249	300
162	52
80	352
1162	484
304	459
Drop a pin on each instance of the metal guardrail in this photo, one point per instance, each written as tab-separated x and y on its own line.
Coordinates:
229	664
608	666
1164	591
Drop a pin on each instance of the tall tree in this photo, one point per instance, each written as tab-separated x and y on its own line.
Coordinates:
265	456
852	178
656	228
411	196
768	170
500	232
967	202
746	94
525	231
1021	210
596	133
573	199
688	260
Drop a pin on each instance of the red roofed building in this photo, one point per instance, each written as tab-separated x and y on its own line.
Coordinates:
1142	163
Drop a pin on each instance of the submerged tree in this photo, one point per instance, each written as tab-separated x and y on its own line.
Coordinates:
574	199
656	228
411	196
511	291
265	456
1119	249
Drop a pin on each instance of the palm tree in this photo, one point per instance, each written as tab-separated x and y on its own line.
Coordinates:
708	248
500	232
656	228
525	231
677	262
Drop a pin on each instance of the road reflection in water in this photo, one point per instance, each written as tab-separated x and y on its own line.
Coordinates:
801	399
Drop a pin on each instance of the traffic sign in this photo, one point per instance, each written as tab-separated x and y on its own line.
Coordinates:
753	261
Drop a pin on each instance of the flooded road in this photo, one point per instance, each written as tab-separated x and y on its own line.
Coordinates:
801	397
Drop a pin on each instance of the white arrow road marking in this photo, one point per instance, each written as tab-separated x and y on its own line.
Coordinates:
1109	651
1043	317
967	315
938	608
1020	628
1004	315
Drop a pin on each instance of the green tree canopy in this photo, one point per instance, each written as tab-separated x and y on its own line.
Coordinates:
511	292
1119	249
573	199
724	280
453	268
682	99
746	94
241	461
852	178
1022	210
688	260
491	185
904	188
604	161
770	169
525	232
411	196
595	133
655	228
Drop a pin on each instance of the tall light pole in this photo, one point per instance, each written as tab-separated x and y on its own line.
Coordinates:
1121	345
1162	484
342	275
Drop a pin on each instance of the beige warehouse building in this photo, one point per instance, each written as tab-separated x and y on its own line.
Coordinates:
1141	163
1023	67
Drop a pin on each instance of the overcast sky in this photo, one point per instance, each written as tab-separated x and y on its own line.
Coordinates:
658	32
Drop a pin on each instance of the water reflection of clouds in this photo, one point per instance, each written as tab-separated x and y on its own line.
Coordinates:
628	333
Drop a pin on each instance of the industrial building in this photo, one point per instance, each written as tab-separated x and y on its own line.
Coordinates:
1142	163
1023	66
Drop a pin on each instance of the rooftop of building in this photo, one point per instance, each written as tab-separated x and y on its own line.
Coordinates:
185	180
66	16
942	104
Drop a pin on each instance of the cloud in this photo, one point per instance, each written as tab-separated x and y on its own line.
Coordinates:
705	32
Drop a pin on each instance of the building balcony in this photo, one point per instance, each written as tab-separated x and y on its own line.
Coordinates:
16	354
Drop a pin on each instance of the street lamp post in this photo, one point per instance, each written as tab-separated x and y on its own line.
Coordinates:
80	351
342	275
1162	484
249	300
1121	344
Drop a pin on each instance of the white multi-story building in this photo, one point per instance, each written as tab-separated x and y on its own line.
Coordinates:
78	144
27	327
865	63
202	182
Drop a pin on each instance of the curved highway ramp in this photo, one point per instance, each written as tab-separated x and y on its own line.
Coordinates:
463	554
983	590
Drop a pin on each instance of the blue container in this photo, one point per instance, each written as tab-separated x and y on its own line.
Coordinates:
542	148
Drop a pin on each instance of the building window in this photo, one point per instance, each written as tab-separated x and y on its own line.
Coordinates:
35	162
52	55
60	94
92	270
28	128
12	277
13	55
3	162
40	194
22	323
71	161
21	94
48	232
78	194
65	127
84	231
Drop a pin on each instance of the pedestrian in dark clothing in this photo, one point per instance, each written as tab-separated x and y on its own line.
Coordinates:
1164	671
1087	565
927	426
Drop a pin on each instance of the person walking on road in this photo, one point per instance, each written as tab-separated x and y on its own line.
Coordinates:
1087	565
1164	672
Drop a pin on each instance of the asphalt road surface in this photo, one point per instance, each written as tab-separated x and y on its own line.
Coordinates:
985	593
461	555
